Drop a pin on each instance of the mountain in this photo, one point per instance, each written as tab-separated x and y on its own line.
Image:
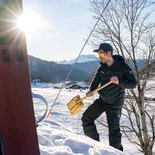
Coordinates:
49	71
89	67
82	58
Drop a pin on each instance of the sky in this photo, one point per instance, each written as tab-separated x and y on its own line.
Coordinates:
63	27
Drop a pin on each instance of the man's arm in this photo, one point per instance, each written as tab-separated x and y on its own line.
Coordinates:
128	81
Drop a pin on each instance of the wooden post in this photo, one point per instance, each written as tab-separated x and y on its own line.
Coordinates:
17	122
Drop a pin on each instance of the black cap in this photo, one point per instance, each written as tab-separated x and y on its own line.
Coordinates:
105	47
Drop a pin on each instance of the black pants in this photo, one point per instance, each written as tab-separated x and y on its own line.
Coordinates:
113	119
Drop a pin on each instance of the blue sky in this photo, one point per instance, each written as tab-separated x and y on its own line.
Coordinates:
67	23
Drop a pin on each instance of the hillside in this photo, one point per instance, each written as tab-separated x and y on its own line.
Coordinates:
49	71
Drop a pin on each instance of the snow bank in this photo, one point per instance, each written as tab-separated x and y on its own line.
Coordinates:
82	84
56	139
41	85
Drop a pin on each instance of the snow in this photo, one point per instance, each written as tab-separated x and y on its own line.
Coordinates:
55	139
62	134
41	85
37	84
82	84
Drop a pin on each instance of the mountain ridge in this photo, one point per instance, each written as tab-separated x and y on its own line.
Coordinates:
82	58
50	71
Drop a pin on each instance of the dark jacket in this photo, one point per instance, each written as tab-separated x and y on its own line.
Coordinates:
114	94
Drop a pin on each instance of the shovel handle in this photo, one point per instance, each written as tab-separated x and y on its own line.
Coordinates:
96	90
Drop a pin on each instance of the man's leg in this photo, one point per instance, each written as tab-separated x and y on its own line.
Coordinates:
88	118
113	120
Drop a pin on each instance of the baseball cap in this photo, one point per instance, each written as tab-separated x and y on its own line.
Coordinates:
105	47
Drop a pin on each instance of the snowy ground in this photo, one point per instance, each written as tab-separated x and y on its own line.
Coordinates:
61	134
56	139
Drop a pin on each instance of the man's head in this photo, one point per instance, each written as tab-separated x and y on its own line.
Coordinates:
105	52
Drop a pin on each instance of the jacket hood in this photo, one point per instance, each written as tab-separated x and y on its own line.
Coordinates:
118	58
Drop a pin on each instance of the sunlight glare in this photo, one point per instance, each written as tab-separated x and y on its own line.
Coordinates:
30	22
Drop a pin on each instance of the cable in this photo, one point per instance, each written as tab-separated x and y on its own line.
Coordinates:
77	58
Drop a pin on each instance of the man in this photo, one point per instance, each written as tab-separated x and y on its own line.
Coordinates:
111	99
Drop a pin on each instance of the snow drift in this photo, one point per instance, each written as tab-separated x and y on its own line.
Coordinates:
55	139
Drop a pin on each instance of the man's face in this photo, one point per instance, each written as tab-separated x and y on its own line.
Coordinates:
104	56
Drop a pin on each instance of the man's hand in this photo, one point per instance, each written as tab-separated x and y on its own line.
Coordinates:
89	93
114	79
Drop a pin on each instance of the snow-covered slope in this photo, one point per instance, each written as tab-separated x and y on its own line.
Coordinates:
70	126
55	139
82	58
62	134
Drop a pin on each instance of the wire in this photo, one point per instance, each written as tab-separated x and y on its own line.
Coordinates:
78	58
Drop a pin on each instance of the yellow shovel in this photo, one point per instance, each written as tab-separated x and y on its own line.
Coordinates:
76	104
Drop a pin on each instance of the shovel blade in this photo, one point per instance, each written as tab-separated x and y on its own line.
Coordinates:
75	105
